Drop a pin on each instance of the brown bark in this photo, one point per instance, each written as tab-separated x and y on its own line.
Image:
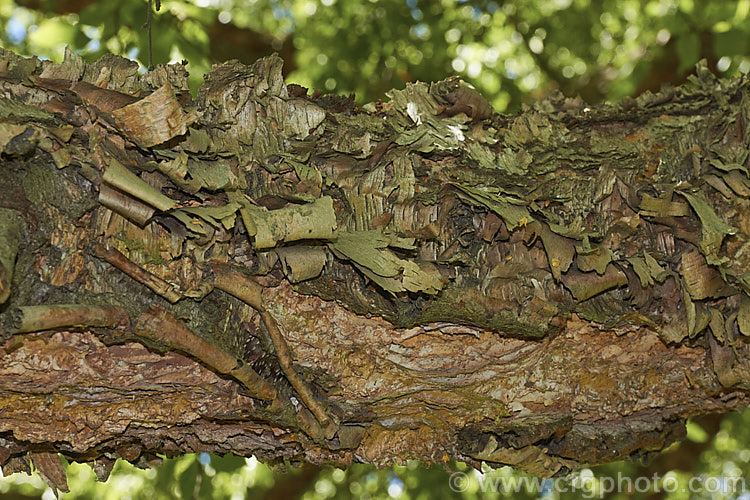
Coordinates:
298	278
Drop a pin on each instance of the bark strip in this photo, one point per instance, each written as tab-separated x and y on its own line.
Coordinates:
119	176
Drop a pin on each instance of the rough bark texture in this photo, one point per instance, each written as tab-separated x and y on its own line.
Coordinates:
418	279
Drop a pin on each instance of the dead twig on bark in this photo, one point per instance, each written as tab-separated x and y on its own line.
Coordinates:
47	317
158	325
118	259
250	292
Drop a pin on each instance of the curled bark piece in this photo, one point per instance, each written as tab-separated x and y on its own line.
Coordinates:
157	324
235	283
583	286
119	176
153	120
701	280
156	284
128	207
37	318
10	233
316	220
302	263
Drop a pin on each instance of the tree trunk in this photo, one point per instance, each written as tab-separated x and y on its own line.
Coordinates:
259	271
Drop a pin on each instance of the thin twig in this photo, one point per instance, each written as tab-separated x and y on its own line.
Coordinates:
47	317
148	27
159	325
156	284
250	292
285	360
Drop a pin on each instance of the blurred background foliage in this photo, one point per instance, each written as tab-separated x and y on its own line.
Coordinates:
514	52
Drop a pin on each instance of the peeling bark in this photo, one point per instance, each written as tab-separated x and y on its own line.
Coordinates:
262	272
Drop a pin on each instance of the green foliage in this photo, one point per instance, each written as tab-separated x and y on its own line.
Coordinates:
512	51
190	476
